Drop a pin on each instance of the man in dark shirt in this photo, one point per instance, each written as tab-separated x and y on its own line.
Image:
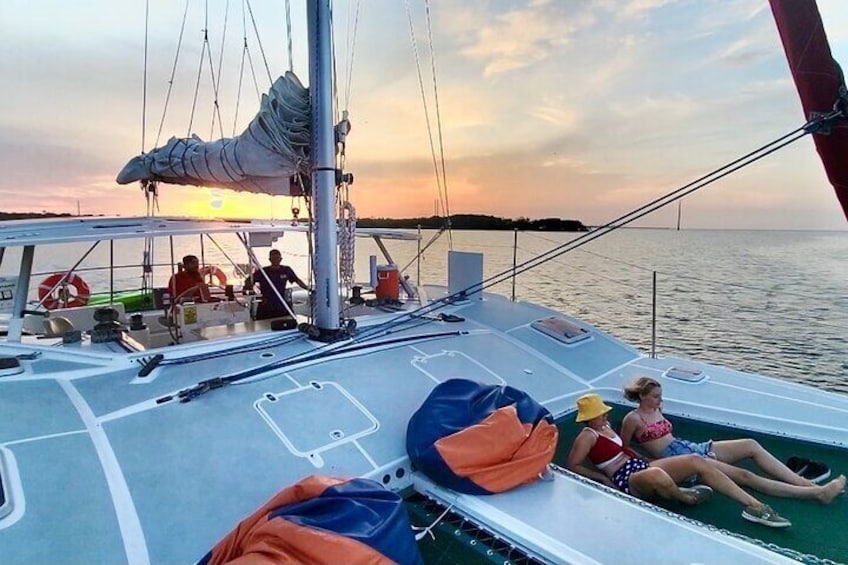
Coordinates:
279	275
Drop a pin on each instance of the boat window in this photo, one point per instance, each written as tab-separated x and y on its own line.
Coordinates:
561	329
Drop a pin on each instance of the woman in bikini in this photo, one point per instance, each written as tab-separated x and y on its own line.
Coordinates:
653	432
621	469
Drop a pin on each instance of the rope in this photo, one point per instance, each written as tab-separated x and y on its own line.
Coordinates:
289	34
347	244
433	240
351	51
623	220
173	74
259	41
215	84
678	275
438	118
144	78
424	531
199	70
426	107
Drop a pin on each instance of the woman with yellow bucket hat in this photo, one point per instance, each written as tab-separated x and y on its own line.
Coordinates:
623	470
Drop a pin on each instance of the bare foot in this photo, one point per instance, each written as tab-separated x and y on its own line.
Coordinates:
832	489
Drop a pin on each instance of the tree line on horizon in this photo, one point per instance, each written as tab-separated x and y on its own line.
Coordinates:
458	222
475	222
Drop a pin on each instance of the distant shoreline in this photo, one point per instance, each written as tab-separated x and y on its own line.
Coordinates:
31	215
475	222
458	222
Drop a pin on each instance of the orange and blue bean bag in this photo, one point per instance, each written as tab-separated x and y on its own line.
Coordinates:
480	439
322	520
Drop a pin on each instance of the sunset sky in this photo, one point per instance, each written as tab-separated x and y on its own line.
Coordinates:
568	108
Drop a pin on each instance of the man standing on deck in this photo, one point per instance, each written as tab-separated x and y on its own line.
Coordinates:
278	275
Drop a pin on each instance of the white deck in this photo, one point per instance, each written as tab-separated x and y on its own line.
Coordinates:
156	480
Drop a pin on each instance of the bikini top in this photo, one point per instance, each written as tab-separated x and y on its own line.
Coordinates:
654	430
606	450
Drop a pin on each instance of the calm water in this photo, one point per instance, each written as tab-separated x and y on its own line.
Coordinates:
771	302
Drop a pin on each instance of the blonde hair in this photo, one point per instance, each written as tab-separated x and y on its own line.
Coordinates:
639	388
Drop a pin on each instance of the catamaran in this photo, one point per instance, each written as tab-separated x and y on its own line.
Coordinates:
140	430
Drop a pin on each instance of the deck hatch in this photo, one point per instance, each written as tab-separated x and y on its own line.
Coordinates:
561	329
335	417
10	366
686	374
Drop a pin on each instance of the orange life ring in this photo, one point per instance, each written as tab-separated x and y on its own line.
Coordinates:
71	293
213	271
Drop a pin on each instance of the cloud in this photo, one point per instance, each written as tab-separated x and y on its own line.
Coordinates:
522	37
744	52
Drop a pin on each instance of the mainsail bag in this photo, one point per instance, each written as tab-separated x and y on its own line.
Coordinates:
262	159
480	439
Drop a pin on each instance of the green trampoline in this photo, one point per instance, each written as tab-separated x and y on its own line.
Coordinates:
817	530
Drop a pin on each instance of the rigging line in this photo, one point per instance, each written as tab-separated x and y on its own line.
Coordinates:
248	348
334	74
173	74
239	87
351	346
322	352
241	65
657	203
636	214
216	107
433	240
224	253
424	102
199	70
596	274
673	275
255	78
144	78
687	188
289	34
664	200
438	119
351	52
220	66
259	41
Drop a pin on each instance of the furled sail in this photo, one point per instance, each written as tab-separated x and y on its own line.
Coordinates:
262	159
820	84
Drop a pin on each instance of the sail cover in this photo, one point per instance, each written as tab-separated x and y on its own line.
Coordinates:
480	439
262	159
820	84
323	520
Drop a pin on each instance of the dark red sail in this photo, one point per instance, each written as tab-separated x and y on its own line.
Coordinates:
818	80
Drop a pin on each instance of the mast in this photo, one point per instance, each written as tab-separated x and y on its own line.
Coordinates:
323	157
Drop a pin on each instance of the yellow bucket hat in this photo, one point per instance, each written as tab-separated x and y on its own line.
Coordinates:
590	406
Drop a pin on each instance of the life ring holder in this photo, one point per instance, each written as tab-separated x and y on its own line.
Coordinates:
215	273
54	292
